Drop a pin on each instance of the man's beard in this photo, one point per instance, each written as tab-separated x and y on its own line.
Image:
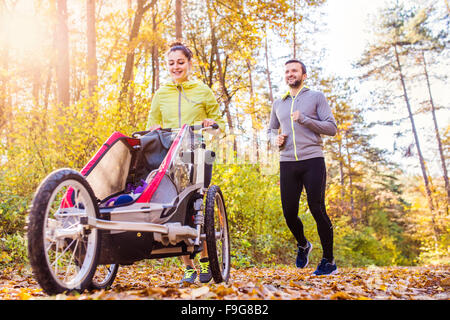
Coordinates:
296	84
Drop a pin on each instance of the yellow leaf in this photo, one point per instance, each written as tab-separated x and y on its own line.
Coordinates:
24	295
383	287
340	295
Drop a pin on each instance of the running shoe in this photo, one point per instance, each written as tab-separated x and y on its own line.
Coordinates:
326	267
205	271
189	276
303	255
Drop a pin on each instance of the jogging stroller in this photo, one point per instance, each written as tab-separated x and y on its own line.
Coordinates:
141	197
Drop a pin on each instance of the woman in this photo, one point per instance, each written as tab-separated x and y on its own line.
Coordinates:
179	102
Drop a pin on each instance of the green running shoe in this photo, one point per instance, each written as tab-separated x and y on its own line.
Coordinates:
189	276
205	271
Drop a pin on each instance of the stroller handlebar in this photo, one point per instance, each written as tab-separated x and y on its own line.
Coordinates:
200	127
197	127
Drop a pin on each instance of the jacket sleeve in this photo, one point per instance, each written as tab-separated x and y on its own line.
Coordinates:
326	124
212	109
274	125
154	115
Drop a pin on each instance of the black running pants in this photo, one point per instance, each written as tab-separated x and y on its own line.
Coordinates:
311	174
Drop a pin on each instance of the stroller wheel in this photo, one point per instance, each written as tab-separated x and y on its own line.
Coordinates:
62	251
217	235
104	276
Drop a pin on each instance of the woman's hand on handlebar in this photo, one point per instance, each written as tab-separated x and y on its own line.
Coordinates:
154	127
208	123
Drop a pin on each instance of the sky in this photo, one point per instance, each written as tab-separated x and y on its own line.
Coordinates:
348	32
345	40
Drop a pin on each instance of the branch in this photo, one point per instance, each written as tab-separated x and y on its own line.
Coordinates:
148	6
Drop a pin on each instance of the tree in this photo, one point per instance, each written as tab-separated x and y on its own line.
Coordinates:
383	59
421	40
155	50
178	20
91	47
142	7
436	130
62	54
4	70
351	149
225	94
269	80
297	17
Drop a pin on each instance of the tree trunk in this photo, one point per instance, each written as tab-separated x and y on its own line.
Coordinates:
436	129
294	33
4	58
269	81
225	96
36	84
62	52
48	85
178	20
419	151
342	202
413	127
341	170
91	47
350	183
253	111
129	65
155	54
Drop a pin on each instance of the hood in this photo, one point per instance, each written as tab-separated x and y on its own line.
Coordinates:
288	93
186	84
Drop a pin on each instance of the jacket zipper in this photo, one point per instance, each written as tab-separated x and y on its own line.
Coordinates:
292	123
179	107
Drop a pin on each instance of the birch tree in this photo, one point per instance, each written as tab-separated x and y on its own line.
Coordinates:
383	59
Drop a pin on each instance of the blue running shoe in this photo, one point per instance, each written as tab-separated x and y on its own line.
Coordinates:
325	267
189	276
303	255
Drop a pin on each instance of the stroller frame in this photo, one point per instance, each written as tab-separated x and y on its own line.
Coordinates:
143	228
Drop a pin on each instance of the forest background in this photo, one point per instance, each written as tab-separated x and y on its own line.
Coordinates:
73	72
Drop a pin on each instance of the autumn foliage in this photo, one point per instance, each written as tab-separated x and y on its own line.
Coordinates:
379	212
149	281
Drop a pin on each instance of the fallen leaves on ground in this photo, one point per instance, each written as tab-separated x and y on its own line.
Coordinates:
143	281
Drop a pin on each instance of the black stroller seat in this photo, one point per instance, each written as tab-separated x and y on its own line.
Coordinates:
154	148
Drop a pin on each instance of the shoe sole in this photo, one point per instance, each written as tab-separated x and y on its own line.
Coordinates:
205	281
328	274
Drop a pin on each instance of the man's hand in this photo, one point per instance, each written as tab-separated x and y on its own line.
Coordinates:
297	116
281	139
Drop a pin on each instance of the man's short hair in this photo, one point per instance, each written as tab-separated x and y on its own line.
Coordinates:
297	61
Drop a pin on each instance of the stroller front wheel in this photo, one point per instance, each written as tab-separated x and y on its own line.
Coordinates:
217	235
63	253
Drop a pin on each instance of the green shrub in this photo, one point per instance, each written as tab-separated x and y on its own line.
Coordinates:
13	250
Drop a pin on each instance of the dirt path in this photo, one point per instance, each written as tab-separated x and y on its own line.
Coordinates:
142	281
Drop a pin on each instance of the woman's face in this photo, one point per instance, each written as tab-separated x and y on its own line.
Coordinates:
179	66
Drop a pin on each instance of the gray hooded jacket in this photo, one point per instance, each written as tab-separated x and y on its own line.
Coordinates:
303	136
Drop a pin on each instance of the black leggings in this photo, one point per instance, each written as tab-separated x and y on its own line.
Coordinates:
310	173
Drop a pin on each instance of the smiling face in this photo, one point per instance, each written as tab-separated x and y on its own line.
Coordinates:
178	65
294	75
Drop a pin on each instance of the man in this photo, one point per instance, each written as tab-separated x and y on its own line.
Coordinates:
303	115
